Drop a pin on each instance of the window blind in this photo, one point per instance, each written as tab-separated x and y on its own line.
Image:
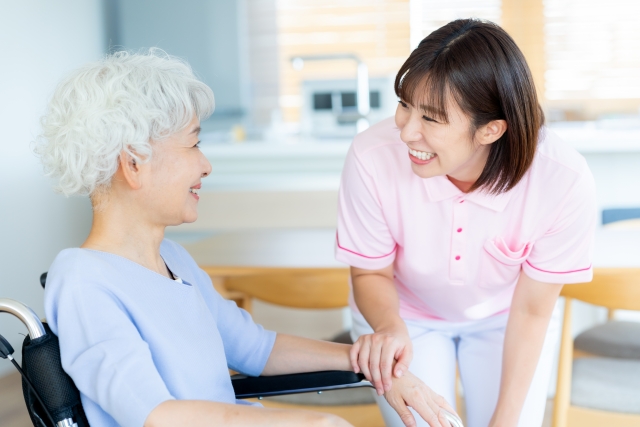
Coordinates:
429	15
592	49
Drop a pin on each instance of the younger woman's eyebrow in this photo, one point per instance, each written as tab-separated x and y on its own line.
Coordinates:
431	110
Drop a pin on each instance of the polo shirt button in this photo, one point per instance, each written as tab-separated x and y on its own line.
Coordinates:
459	230
461	201
457	257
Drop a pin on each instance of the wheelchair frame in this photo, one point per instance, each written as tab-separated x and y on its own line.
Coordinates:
244	386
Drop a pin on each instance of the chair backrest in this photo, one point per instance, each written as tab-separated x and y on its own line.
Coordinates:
288	287
41	364
613	288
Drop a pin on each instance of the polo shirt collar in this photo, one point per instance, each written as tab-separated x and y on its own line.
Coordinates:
440	188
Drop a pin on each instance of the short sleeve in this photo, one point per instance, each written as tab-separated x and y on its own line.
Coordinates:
103	352
363	239
564	253
247	345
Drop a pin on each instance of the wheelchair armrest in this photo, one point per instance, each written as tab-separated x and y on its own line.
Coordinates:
246	387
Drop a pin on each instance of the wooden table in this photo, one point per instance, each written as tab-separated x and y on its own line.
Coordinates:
289	267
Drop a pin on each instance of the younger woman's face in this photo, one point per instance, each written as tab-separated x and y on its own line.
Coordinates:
438	148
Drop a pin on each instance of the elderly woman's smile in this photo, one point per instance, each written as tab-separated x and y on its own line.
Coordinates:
194	191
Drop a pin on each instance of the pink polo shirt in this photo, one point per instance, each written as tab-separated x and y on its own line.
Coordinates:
457	256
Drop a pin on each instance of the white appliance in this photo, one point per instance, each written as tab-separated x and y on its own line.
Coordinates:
330	107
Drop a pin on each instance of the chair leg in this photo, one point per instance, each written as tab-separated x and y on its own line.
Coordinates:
459	401
242	299
563	388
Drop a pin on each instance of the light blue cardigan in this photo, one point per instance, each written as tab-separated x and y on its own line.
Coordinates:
131	338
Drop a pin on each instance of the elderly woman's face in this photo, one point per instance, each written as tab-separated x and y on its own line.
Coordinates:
173	178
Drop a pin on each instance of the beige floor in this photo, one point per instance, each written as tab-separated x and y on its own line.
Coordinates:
14	414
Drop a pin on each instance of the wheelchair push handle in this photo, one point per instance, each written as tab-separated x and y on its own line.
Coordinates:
26	316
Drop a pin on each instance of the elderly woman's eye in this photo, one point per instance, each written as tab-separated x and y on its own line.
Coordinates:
197	144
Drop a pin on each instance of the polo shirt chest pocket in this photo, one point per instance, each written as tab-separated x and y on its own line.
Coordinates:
499	264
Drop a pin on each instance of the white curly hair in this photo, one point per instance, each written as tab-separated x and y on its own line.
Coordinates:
121	102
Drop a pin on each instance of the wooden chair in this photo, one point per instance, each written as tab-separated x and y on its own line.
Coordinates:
317	288
306	288
613	288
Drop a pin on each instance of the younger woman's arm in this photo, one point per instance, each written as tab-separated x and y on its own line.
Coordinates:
376	354
293	354
531	308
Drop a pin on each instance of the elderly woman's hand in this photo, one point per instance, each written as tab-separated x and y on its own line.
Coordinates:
409	391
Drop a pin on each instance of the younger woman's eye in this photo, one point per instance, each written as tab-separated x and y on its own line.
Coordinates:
429	119
404	104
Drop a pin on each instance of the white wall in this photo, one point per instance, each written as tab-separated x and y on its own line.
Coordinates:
40	41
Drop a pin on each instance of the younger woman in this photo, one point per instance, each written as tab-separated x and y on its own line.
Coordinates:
461	218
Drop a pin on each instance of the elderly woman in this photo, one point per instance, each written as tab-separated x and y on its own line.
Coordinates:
143	334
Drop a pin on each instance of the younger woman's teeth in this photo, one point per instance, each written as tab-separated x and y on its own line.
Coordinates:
194	190
422	155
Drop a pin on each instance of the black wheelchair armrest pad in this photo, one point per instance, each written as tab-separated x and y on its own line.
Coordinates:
246	387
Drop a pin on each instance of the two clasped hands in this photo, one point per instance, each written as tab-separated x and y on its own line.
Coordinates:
384	359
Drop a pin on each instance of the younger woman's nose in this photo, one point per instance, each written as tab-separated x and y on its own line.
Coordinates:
410	132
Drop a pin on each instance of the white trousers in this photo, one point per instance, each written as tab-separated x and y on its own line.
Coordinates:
477	348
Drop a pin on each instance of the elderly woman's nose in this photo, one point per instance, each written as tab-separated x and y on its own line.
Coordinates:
207	166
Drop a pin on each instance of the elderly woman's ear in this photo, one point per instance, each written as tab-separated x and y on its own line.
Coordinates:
130	171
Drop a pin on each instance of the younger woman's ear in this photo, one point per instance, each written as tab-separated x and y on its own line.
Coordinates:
491	132
130	170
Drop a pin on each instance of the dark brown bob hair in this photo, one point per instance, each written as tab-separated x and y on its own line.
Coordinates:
478	64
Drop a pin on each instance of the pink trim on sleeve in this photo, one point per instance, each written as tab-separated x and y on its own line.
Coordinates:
558	272
363	256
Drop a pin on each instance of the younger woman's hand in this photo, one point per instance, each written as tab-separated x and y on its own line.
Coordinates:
410	392
377	355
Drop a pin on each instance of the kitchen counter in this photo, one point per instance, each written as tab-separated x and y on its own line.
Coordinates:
316	165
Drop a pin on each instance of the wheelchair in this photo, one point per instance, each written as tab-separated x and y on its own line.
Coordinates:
53	400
